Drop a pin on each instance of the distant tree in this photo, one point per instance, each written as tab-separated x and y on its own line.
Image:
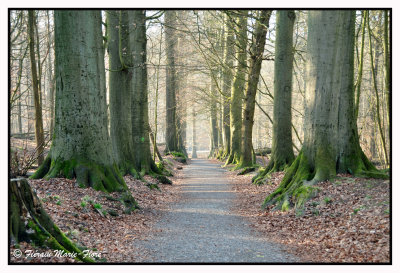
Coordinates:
39	133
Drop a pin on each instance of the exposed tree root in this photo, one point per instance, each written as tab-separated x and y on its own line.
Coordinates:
274	165
87	173
298	184
295	184
233	158
28	221
90	174
247	170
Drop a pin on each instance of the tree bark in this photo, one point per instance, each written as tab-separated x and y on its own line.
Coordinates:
331	143
39	135
51	77
171	135
227	84
120	90
213	118
194	137
140	111
256	56
282	151
27	213
237	89
81	145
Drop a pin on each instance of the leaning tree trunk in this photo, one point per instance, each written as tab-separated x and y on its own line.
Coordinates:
257	50
331	143
81	145
28	221
282	146
171	135
39	134
227	84
120	90
237	90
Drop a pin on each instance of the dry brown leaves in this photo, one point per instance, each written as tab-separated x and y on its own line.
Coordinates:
113	236
347	222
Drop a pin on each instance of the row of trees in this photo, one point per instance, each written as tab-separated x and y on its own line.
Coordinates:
218	63
331	139
82	147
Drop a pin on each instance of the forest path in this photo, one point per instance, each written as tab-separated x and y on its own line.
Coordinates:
201	228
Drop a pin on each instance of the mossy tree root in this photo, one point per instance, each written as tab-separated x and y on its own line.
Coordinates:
295	187
233	158
27	213
298	184
159	174
87	173
247	170
274	165
366	169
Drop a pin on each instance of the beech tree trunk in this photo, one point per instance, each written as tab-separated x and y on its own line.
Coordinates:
194	144
213	119
120	90
171	135
227	84
257	50
331	143
140	111
81	145
282	146
237	89
39	134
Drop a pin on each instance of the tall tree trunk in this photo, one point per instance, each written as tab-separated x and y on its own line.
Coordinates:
194	144
282	152
140	111
18	91
227	83
361	64
256	56
331	143
171	135
120	90
378	114
155	149
388	71
237	89
39	134
213	118
81	145
51	77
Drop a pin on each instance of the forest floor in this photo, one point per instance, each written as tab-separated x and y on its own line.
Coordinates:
348	221
73	209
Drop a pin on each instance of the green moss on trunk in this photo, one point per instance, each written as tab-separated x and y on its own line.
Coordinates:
87	173
27	212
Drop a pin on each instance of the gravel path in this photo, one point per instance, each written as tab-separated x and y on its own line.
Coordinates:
202	229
